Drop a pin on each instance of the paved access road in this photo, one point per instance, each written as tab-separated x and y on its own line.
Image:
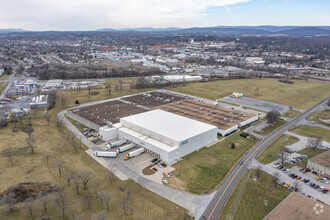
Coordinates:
10	82
222	194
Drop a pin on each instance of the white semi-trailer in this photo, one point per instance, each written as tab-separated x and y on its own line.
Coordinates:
125	148
134	153
105	154
115	144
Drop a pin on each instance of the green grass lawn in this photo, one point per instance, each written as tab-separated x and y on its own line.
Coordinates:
319	116
202	171
307	151
271	127
268	154
291	114
249	198
300	95
310	131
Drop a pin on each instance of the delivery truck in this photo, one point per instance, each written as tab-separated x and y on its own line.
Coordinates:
105	154
134	153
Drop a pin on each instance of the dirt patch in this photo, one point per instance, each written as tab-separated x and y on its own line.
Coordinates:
176	183
22	191
237	144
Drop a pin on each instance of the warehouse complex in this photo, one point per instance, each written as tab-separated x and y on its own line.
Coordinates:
167	125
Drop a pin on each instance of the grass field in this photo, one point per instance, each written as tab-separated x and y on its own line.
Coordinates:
253	199
268	129
319	116
202	171
310	131
307	151
300	95
53	140
291	114
268	154
2	85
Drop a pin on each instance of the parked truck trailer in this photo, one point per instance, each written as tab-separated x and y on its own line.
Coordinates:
115	144
125	148
134	153
105	154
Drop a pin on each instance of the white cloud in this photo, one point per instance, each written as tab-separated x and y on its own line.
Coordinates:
93	14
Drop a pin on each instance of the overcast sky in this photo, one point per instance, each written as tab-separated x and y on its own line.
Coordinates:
95	14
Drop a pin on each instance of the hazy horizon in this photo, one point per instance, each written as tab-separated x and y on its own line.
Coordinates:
85	15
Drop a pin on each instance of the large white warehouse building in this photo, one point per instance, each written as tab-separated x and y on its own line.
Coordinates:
163	134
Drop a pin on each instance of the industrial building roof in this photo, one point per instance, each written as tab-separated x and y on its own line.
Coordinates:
297	206
169	125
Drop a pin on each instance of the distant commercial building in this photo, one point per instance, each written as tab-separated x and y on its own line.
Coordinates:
320	164
29	86
39	101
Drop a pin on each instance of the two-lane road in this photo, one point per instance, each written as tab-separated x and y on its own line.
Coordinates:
217	203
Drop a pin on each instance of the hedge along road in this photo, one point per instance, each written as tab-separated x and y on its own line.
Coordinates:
214	208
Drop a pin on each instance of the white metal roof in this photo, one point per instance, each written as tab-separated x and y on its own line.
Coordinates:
169	125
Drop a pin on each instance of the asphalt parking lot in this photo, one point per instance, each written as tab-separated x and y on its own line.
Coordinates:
303	187
256	104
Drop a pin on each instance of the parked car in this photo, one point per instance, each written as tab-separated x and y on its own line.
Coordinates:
290	188
287	185
169	173
325	191
165	181
163	164
155	169
298	178
154	160
282	183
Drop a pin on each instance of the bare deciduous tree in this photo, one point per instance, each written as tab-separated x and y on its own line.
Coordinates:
275	178
9	200
47	156
30	143
125	204
314	142
111	173
76	181
283	155
44	198
258	172
28	130
296	186
9	154
61	202
60	164
88	200
47	117
28	120
29	205
85	177
69	176
99	216
272	116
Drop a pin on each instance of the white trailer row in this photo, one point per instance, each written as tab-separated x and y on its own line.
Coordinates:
105	154
114	154
115	144
126	148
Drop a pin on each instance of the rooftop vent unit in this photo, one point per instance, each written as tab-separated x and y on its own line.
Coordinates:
225	119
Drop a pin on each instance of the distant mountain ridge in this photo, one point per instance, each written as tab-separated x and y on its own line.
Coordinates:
262	29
